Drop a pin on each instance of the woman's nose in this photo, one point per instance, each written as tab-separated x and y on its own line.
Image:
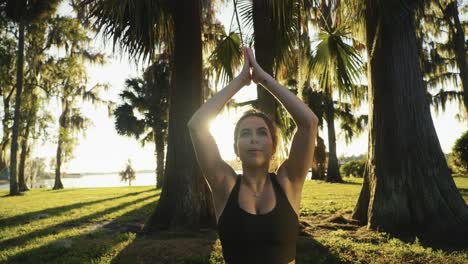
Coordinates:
253	139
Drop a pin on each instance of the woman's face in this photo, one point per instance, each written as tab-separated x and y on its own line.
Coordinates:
254	142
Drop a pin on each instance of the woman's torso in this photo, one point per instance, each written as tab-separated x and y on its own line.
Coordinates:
263	229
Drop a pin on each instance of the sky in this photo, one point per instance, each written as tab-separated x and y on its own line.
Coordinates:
103	150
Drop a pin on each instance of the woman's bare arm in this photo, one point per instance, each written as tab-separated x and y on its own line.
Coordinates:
206	150
303	144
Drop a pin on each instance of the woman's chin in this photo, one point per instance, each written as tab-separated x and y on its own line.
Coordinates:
253	163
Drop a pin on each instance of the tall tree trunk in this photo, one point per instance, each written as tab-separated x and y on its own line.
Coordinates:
185	202
409	189
24	153
19	87
58	165
159	151
6	132
59	154
318	166
460	51
264	54
333	170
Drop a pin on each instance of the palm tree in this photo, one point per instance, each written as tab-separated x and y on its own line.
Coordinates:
128	174
175	27
150	98
23	12
315	100
275	33
407	187
336	65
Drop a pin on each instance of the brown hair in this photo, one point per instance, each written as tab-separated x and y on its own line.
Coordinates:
270	124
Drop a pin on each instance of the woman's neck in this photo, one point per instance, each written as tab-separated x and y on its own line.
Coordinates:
256	178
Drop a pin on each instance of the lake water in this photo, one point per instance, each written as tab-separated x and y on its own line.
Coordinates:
97	180
101	180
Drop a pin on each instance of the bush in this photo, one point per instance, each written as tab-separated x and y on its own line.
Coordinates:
353	168
459	157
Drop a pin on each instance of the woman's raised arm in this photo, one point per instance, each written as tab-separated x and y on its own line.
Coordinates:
303	144
206	150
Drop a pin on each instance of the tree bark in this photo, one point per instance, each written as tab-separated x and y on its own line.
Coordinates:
333	170
185	202
24	153
6	133
15	130
159	151
264	55
318	167
58	158
409	187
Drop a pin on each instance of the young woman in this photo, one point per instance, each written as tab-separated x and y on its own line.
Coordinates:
257	212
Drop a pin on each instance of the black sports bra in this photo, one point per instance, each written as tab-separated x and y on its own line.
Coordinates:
263	238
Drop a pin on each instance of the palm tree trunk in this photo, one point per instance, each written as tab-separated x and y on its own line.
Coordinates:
320	154
264	55
15	131
159	151
409	188
24	151
333	171
185	202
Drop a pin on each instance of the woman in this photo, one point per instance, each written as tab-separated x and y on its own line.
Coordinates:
257	213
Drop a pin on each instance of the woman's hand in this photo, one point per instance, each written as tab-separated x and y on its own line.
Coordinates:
244	75
258	74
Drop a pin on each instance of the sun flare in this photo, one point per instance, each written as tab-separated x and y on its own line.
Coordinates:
222	129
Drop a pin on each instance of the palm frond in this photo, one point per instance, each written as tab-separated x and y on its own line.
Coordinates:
226	58
138	27
126	123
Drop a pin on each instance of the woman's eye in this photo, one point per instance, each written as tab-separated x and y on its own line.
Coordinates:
263	133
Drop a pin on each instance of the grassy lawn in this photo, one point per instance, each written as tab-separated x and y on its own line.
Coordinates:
103	225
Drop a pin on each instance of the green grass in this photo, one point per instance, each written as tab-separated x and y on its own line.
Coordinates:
103	225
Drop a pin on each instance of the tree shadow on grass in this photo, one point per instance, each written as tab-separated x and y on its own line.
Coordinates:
310	250
64	226
55	211
97	242
205	248
173	247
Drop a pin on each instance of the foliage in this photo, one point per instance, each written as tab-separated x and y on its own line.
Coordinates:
353	168
145	104
128	174
459	157
36	169
141	28
437	51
